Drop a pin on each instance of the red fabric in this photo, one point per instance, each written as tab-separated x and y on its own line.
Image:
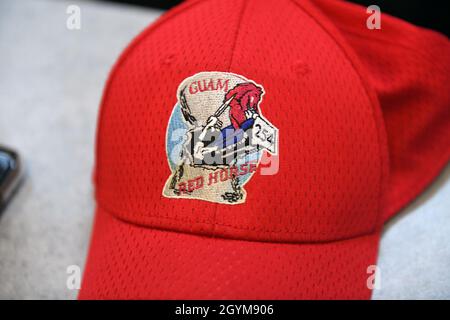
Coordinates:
132	262
332	158
288	240
409	68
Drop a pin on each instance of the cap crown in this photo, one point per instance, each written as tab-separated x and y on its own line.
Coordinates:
332	155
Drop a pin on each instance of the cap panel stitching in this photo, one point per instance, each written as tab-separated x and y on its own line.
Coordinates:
376	114
116	216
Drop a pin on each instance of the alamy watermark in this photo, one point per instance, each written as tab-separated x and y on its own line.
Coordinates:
73	281
73	21
373	22
374	279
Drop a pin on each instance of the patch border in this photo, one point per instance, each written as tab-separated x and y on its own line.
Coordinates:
244	192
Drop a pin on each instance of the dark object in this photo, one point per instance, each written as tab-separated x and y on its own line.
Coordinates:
428	14
10	174
160	4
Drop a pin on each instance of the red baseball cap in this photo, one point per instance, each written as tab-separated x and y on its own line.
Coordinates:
254	150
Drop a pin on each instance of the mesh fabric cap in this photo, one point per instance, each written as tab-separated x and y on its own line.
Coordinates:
309	231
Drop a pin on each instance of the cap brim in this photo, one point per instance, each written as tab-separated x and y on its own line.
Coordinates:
126	261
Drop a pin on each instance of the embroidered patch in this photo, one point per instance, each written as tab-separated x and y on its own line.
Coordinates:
216	137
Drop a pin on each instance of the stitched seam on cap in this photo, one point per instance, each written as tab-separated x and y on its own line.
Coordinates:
142	225
209	223
382	179
233	48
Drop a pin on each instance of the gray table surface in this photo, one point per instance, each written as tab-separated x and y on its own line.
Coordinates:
51	80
